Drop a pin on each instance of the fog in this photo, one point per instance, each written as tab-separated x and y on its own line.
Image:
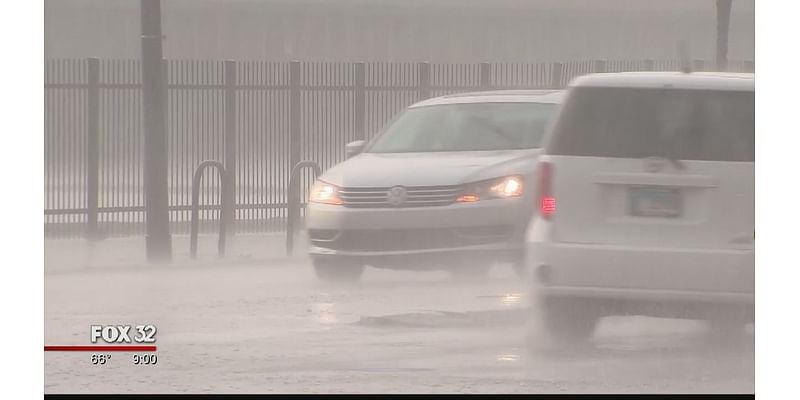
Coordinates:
406	31
400	197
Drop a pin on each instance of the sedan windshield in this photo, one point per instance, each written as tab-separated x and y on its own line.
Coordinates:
466	127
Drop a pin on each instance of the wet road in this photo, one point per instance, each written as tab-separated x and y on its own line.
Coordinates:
255	328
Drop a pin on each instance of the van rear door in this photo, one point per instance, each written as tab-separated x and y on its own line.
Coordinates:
657	167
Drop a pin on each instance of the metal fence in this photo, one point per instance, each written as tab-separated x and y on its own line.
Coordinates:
277	113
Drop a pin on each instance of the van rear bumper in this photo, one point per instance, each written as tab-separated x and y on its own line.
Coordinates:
648	294
636	273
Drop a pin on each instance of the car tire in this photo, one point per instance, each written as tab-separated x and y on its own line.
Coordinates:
470	271
728	333
519	264
337	270
520	269
568	321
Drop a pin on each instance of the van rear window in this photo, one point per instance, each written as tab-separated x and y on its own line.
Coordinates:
674	123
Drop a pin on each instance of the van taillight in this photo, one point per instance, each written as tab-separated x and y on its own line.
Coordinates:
546	199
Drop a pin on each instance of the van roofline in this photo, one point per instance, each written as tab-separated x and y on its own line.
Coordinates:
676	80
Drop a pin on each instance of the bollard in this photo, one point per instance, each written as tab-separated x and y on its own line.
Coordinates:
196	180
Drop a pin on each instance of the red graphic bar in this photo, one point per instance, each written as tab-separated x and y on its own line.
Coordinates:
100	348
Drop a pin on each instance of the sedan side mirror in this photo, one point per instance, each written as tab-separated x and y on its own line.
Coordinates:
354	148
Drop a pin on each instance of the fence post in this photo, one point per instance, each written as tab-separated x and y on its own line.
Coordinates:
649	64
555	77
158	241
294	129
698	65
92	148
599	66
423	80
228	212
359	99
486	76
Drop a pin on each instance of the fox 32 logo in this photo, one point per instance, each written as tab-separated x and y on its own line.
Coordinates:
123	333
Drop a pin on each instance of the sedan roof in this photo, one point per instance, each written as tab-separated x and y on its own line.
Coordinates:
496	96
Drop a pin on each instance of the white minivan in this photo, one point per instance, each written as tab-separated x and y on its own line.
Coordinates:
646	201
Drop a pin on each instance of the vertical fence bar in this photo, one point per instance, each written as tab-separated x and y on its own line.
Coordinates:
229	179
294	131
723	8
599	66
698	65
359	100
294	113
423	80
175	199
486	76
649	65
92	148
557	73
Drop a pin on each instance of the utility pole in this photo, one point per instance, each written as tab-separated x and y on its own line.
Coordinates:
158	240
723	26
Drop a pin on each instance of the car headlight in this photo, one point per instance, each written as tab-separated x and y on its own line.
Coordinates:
323	192
498	188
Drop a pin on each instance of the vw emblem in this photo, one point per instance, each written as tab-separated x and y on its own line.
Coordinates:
397	196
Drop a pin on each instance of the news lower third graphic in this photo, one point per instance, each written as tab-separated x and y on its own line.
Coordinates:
137	340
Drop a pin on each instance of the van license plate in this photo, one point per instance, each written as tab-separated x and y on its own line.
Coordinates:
655	202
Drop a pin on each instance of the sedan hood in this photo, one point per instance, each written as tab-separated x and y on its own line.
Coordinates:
429	169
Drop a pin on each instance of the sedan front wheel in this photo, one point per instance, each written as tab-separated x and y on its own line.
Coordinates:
337	270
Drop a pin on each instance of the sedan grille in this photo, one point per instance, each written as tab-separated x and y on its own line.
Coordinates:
399	196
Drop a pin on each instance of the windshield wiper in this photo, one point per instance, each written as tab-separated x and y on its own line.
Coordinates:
678	164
